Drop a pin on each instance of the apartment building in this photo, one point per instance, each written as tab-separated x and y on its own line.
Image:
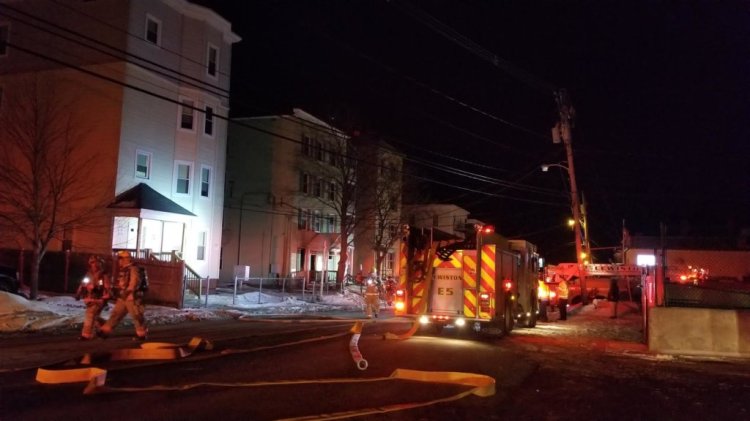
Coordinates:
283	191
148	81
447	221
378	236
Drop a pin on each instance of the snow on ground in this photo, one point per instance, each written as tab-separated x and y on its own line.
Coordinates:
17	314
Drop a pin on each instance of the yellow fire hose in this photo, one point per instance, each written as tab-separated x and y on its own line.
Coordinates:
95	377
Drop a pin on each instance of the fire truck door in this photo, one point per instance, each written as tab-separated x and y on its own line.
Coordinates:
446	296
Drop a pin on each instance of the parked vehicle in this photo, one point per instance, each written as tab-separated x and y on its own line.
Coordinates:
486	290
9	281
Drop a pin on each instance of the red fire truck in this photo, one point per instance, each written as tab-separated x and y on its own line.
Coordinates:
486	285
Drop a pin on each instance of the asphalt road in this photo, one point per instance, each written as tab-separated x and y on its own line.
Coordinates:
584	368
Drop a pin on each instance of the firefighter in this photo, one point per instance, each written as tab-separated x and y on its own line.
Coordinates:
95	289
372	299
562	298
129	299
544	298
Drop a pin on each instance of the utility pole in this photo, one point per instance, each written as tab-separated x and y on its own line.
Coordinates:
562	133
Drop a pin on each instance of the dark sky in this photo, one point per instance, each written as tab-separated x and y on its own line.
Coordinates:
661	91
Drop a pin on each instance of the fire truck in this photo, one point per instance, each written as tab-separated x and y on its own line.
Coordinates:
486	285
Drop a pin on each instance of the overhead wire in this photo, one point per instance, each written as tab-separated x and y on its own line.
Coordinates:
218	116
457	38
182	56
465	173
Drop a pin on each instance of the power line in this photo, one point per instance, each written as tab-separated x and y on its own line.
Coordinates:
438	166
464	42
465	173
164	98
433	90
192	81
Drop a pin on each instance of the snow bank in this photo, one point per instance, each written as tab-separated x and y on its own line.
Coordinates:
17	314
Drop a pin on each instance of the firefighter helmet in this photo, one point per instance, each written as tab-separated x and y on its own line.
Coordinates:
123	254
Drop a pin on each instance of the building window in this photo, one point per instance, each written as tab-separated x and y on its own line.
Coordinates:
389	260
205	181
305	183
316	221
153	30
142	164
208	122
331	222
331	191
187	114
182	176
201	251
302	216
212	61
319	151
306	145
318	188
4	35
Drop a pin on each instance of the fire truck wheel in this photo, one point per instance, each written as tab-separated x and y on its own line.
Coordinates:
529	320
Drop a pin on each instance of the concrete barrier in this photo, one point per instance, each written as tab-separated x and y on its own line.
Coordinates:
699	331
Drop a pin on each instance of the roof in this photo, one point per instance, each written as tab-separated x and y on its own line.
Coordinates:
143	196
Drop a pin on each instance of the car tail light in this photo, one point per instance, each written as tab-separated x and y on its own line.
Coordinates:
508	285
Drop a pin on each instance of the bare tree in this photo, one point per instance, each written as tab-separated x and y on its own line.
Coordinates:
341	190
46	179
386	217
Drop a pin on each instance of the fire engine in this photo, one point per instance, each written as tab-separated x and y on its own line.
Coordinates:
486	284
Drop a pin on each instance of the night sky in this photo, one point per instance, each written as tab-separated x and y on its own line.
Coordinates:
661	92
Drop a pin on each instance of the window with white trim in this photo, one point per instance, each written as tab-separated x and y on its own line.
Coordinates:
182	177
205	181
4	35
187	114
208	121
200	253
153	30
142	164
212	61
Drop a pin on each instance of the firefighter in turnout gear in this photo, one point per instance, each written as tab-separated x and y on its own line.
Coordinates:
95	290
129	298
372	299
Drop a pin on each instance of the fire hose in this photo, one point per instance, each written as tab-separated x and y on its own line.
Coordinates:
95	377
